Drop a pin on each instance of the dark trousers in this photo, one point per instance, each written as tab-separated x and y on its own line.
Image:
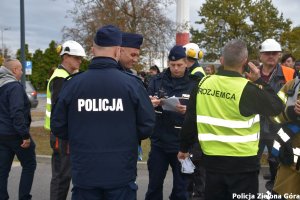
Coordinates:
61	169
127	192
196	185
8	149
221	186
158	164
273	162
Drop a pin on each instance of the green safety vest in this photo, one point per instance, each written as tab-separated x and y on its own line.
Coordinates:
57	73
222	130
198	69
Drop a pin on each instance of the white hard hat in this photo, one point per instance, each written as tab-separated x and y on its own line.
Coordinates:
72	48
270	45
192	50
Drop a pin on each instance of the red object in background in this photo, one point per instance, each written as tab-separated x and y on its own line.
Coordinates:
182	38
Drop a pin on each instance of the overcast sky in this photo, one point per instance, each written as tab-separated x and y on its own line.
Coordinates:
45	19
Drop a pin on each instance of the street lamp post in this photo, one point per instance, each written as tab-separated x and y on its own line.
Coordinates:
2	30
221	24
22	33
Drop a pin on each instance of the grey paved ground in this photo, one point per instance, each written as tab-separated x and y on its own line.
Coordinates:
40	189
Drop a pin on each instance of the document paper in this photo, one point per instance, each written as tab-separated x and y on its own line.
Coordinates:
170	103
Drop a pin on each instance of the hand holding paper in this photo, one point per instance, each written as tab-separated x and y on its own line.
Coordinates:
155	101
170	104
187	166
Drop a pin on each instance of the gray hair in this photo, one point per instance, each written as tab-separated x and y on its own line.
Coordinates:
10	63
234	53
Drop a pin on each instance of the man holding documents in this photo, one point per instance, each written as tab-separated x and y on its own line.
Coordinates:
169	93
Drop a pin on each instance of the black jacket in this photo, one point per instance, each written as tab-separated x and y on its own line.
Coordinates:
15	115
166	131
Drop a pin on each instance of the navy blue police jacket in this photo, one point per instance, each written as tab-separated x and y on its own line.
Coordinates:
168	123
15	115
103	112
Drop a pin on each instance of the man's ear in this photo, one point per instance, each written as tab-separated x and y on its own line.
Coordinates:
222	60
14	70
245	61
92	50
118	53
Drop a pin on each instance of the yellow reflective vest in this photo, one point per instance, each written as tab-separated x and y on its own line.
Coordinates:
222	130
198	69
57	73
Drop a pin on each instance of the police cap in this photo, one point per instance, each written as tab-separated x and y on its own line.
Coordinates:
176	53
108	36
132	40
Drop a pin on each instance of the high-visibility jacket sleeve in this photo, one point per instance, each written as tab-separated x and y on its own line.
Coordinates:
288	114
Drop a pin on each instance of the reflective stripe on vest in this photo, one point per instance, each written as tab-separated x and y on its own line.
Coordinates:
285	137
57	73
228	138
227	123
198	69
276	145
222	130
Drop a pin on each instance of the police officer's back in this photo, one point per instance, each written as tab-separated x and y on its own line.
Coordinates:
103	112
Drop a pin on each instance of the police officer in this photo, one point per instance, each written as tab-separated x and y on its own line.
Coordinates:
193	54
130	51
165	139
276	76
103	113
222	110
15	122
71	53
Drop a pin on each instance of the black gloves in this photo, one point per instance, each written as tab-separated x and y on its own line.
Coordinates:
286	155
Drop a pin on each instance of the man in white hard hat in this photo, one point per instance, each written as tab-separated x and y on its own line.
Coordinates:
71	53
193	54
276	76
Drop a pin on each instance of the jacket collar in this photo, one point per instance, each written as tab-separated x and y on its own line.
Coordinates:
103	62
6	76
167	73
229	73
